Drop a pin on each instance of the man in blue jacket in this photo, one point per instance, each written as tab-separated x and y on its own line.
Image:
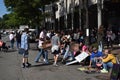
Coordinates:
25	46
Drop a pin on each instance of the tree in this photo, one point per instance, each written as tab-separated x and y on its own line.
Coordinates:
28	9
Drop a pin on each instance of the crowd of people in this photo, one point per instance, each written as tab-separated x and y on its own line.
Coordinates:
66	44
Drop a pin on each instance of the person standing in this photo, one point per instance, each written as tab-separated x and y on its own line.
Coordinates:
18	39
25	46
66	48
55	41
42	51
11	37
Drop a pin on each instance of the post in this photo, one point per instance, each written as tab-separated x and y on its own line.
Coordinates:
99	9
65	18
73	4
86	22
80	3
99	13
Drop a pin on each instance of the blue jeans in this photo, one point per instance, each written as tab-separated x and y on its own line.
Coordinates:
12	44
107	65
44	53
69	55
66	52
93	62
18	44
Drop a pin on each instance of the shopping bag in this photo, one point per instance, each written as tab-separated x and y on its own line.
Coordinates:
21	51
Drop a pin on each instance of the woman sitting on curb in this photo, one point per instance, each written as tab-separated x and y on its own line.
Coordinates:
108	60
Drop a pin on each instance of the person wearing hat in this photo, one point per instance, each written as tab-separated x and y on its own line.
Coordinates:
25	46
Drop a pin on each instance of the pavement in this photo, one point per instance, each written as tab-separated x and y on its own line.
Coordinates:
10	68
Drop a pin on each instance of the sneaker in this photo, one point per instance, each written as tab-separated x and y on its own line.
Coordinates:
28	65
103	71
44	60
54	64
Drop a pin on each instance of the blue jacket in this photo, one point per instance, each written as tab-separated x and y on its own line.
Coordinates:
97	54
24	41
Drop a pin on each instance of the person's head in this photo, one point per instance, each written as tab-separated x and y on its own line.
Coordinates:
106	51
84	48
95	49
26	30
75	47
56	33
11	32
81	43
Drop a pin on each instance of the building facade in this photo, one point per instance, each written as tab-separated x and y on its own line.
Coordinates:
86	14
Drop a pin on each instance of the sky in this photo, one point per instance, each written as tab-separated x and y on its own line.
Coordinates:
3	9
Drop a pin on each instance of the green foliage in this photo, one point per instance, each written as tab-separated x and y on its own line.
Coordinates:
24	12
10	20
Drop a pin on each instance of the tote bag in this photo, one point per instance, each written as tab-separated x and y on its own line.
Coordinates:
21	51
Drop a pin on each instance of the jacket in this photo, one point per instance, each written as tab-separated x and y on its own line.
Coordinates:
110	58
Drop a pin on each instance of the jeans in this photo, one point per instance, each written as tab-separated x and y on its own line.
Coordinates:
93	62
66	52
46	56
100	47
44	53
18	44
12	44
107	65
69	55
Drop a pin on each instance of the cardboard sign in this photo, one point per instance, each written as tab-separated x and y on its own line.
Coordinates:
81	56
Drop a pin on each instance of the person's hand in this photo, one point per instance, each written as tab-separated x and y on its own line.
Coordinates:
100	57
36	39
96	58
